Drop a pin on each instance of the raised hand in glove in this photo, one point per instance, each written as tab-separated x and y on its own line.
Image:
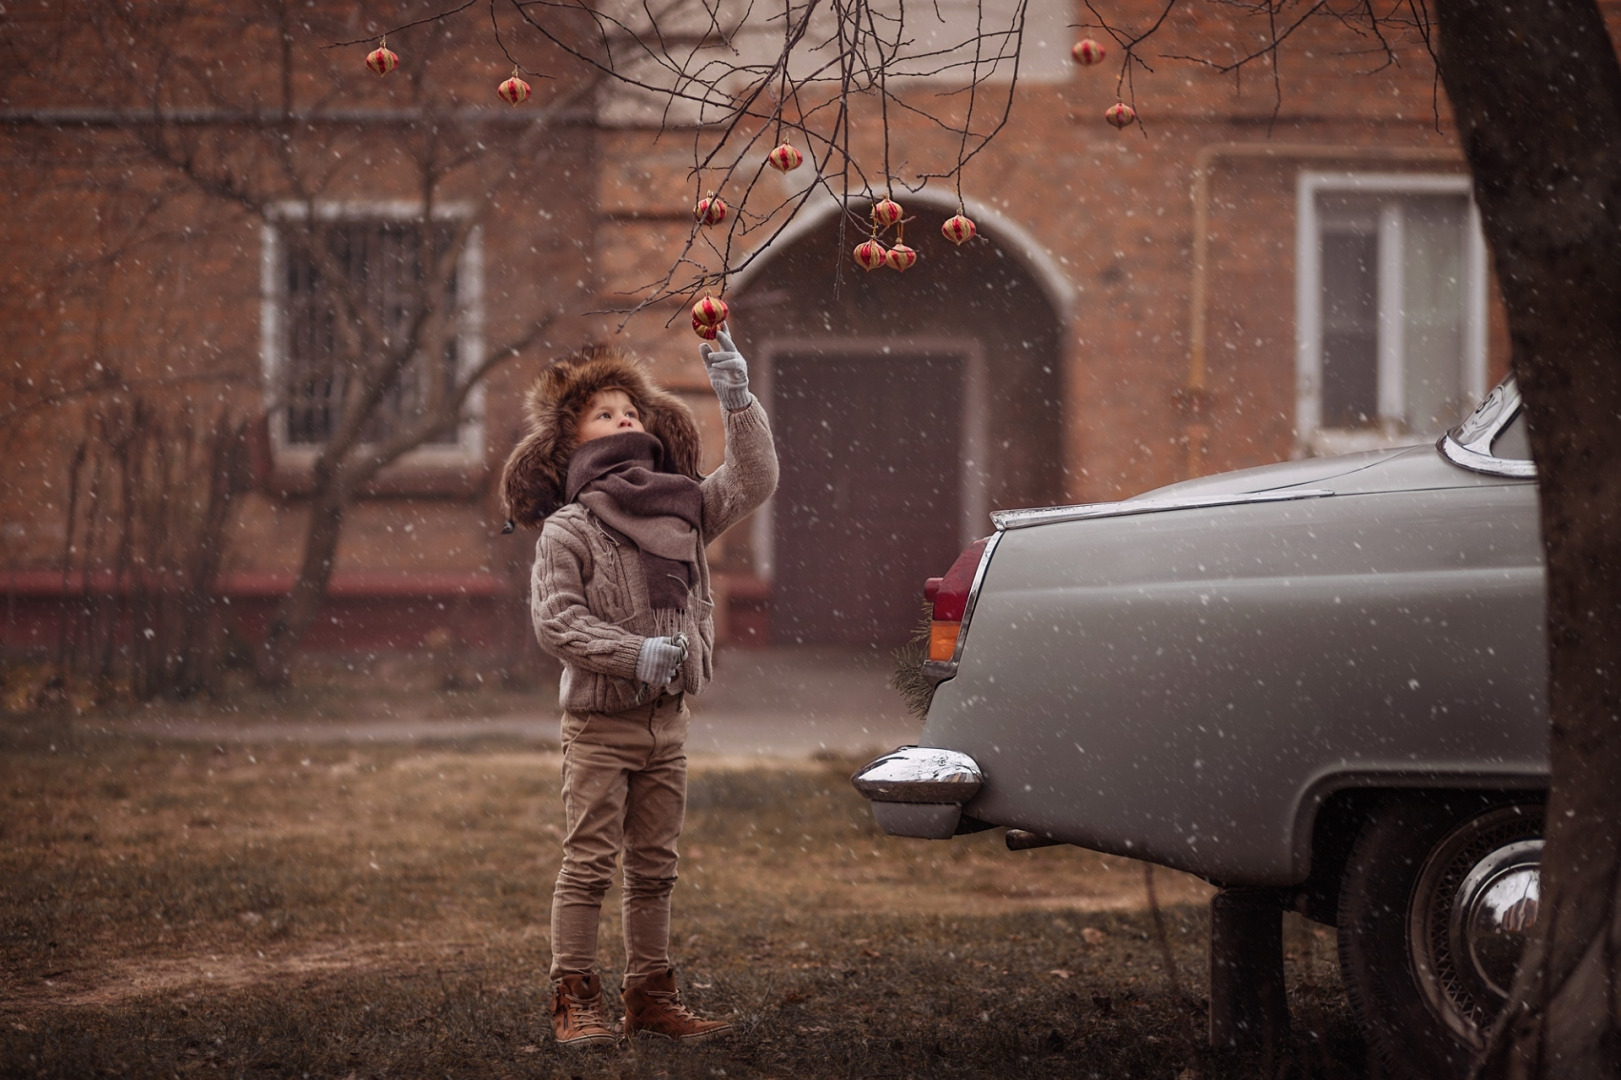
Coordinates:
660	658
728	373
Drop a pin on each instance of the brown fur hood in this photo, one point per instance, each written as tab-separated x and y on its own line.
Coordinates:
532	482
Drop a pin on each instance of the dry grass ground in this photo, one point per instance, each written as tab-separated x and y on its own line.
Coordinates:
331	911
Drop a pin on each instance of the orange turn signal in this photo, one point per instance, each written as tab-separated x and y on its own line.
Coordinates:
943	640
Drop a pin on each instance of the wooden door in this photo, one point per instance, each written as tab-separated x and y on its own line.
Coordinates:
869	500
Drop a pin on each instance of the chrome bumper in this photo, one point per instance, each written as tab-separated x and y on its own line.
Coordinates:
919	790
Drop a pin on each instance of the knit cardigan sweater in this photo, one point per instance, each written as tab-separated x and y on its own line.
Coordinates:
588	596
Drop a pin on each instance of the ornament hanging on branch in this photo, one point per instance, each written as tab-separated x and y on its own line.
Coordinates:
886	212
900	257
382	59
710	210
708	316
514	90
1120	114
1088	52
959	229
870	255
785	158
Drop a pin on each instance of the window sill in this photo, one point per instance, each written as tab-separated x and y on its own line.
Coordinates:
1332	442
295	480
447	472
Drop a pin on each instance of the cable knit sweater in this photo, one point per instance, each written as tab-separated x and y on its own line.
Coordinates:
588	596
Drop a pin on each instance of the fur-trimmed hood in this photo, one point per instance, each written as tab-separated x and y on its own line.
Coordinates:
532	484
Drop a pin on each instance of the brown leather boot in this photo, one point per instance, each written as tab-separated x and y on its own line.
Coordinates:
577	1011
653	1005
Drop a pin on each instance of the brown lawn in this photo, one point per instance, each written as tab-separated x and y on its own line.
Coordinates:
174	908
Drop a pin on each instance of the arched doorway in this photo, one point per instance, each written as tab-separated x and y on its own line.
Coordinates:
906	407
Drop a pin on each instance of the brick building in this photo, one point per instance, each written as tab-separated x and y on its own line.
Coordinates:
1252	273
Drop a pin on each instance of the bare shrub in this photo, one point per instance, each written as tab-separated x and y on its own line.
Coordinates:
150	493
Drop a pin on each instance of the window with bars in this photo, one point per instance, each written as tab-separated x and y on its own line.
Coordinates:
1391	299
346	289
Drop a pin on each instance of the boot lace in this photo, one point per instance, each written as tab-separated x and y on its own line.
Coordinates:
584	1012
671	1000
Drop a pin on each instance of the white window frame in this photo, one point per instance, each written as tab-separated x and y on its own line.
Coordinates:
1311	437
468	449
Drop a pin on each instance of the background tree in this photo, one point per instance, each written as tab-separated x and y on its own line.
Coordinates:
379	361
385	374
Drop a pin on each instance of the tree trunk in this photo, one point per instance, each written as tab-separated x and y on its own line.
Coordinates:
1536	89
300	606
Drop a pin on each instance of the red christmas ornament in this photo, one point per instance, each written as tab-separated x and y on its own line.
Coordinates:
1120	114
785	158
959	229
710	210
886	212
901	258
382	59
1088	52
514	90
710	311
869	255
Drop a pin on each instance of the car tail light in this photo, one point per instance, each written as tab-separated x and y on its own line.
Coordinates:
953	598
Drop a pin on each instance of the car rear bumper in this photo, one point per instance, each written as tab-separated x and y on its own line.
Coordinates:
919	790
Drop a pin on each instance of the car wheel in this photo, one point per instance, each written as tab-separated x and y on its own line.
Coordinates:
1435	906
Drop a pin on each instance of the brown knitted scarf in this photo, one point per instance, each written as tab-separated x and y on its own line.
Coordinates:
629	483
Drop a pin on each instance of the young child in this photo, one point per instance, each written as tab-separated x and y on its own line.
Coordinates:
620	594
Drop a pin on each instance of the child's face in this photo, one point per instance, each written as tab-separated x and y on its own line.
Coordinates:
609	413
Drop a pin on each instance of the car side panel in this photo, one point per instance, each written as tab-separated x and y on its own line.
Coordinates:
1181	686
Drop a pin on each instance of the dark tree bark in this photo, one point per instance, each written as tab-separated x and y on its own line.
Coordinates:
1536	89
273	661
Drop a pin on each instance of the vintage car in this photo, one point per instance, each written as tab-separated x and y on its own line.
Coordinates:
1321	681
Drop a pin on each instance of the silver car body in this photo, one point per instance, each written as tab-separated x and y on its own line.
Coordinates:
1188	676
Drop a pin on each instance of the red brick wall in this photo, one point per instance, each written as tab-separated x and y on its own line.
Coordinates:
163	291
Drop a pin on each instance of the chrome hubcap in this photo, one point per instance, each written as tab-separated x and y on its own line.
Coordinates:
1472	909
1494	913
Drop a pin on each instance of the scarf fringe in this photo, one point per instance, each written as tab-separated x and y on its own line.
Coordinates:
667	622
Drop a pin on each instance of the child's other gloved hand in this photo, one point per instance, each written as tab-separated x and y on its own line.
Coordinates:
660	658
728	373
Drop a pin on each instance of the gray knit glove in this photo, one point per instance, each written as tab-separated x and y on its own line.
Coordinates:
728	373
660	659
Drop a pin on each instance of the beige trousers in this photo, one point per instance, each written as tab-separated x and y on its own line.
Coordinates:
624	793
